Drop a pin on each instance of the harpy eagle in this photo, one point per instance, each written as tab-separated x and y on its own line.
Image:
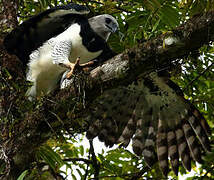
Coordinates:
152	112
57	39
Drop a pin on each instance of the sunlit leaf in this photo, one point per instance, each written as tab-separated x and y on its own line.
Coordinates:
21	177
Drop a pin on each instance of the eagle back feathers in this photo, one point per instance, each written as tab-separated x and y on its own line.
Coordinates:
33	32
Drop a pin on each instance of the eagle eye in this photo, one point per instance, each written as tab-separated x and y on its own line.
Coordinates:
108	20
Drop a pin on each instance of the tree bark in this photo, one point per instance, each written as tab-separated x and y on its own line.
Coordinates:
32	123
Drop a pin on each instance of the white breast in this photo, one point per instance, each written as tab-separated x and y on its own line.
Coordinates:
77	48
43	72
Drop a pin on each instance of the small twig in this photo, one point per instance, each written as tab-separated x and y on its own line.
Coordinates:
8	111
24	17
96	2
140	173
211	169
86	172
49	125
5	81
196	78
50	100
116	7
79	159
58	118
96	164
132	176
121	9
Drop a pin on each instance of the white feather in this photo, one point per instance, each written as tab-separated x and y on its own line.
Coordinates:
43	72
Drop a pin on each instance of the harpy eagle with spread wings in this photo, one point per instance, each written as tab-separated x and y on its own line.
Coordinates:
152	112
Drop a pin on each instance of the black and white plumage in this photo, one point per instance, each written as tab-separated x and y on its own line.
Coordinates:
35	31
152	113
58	37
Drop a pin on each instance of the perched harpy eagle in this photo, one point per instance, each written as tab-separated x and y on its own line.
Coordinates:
152	112
58	39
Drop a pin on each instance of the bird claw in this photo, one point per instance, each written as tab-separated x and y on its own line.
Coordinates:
72	67
69	74
77	65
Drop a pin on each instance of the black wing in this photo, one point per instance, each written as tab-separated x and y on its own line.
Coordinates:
35	31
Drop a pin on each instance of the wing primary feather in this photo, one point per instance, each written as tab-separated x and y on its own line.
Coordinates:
137	143
203	122
162	148
199	131
183	149
173	150
131	127
142	130
128	132
192	142
149	148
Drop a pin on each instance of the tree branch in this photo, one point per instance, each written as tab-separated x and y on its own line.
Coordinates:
131	176
197	77
95	163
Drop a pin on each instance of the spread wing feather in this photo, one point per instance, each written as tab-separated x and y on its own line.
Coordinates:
155	116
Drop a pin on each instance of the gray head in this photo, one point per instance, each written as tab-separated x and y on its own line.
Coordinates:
104	25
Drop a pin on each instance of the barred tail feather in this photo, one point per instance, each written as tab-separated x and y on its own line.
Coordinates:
173	151
199	117
128	132
162	148
183	148
199	131
149	148
138	142
192	142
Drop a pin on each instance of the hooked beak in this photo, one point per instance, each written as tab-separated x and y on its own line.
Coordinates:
113	28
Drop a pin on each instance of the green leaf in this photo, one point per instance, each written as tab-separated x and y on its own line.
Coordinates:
156	25
50	157
73	177
79	172
169	15
21	177
81	150
46	157
101	158
197	7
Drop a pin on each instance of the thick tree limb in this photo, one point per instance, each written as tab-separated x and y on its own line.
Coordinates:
54	113
157	54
